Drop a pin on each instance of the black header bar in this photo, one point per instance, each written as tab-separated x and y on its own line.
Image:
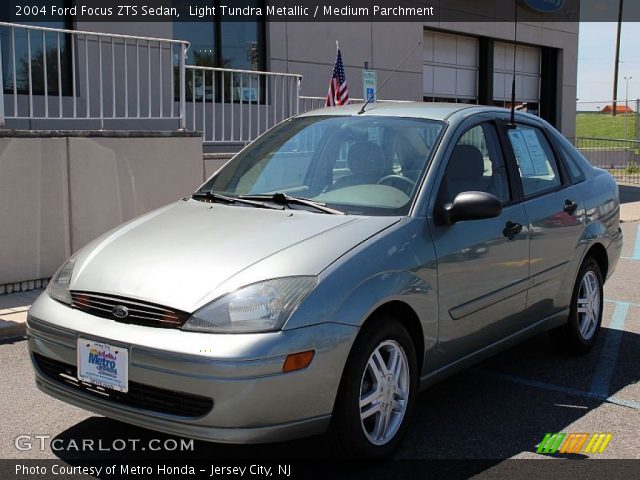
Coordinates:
425	11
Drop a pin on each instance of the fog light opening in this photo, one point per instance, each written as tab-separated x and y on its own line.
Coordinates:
298	361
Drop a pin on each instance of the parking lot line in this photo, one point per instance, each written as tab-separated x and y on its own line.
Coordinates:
558	388
607	364
631	304
636	248
624	403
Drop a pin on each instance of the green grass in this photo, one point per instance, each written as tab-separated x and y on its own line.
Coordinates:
603	125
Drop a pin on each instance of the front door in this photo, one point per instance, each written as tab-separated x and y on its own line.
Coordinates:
483	265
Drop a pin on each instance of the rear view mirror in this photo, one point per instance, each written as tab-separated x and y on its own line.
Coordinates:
471	206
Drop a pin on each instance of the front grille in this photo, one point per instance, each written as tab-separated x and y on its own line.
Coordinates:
137	312
139	396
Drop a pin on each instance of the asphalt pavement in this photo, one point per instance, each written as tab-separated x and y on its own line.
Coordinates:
499	409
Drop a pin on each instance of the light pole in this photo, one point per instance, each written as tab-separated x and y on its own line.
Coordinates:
626	106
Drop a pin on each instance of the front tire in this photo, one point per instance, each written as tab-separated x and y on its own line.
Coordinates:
377	390
585	315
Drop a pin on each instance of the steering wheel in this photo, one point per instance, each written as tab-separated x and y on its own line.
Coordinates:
403	184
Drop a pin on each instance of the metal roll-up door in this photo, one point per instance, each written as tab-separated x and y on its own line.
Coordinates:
450	68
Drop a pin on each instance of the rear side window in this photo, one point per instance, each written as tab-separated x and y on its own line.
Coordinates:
536	163
575	172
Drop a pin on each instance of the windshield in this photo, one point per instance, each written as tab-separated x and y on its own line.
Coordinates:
358	165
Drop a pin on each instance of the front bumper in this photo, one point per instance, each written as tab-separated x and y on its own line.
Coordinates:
253	401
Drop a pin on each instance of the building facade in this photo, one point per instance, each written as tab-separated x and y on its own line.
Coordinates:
112	82
67	176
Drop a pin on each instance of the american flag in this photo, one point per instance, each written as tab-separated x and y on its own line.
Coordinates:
338	93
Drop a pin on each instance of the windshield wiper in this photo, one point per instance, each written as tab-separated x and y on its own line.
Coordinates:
286	200
217	197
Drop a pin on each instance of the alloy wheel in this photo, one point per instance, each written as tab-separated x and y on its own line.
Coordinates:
588	308
384	392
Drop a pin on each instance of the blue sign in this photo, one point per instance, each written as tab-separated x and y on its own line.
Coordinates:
371	94
544	6
370	85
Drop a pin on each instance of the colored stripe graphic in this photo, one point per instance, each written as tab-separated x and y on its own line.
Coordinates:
551	442
598	442
574	442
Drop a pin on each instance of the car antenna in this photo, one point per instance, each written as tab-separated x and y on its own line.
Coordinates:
512	121
368	101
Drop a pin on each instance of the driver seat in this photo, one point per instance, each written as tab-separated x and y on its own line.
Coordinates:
366	161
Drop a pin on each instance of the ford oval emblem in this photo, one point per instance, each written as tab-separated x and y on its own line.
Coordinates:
120	311
544	6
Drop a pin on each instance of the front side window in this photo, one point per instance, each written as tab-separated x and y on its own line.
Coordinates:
536	163
476	164
361	166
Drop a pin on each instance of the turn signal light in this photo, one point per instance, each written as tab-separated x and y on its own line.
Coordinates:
298	361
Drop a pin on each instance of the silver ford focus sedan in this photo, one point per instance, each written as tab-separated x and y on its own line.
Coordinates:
333	268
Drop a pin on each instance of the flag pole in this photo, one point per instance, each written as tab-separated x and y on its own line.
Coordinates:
337	46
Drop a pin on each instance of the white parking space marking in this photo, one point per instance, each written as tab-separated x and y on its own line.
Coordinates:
631	245
558	388
607	364
631	304
636	249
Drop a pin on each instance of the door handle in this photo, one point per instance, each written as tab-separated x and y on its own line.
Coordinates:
570	206
511	229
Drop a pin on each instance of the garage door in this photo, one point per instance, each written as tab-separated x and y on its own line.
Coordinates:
450	68
527	75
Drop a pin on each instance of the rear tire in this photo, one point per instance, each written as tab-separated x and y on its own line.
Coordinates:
377	391
579	334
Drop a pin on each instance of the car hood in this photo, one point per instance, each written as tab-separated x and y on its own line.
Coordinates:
189	253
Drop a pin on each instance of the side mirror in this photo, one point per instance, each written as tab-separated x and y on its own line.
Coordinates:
471	206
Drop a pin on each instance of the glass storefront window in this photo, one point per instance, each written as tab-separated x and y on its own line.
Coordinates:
24	50
221	42
224	43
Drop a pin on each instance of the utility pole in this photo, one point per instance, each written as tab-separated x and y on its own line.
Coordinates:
617	64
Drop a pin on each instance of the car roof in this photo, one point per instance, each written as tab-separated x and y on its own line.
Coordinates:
433	111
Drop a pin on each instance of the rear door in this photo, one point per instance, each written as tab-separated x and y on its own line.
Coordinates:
555	213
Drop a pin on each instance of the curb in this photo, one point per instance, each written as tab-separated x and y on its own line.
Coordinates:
9	330
630	212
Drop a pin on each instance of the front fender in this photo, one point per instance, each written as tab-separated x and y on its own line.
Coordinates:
384	288
398	264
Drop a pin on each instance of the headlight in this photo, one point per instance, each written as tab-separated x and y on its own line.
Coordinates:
259	307
58	286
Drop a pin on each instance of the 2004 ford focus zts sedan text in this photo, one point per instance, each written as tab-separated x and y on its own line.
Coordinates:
328	272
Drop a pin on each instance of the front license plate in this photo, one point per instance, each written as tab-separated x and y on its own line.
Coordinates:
103	364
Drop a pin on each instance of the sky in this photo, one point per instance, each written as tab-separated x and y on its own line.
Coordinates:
596	61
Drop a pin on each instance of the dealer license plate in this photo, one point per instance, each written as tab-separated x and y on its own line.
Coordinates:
103	364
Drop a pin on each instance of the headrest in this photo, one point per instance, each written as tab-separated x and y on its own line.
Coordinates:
466	163
366	158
